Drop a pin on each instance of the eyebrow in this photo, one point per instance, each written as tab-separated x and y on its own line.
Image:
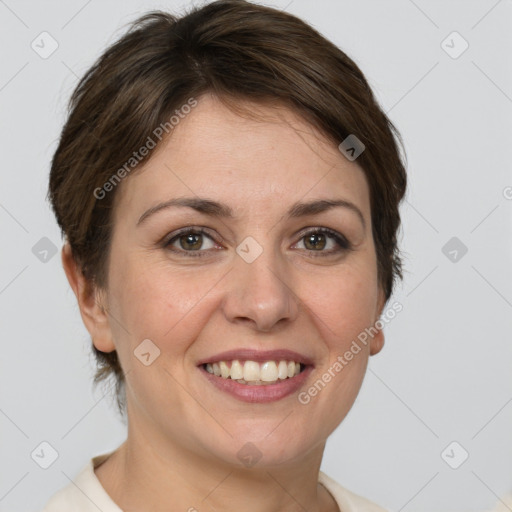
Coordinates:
215	209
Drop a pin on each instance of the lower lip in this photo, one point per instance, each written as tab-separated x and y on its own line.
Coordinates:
262	393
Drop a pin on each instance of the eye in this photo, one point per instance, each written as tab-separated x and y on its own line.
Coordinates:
190	241
316	240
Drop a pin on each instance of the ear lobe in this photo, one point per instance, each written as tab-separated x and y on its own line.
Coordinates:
90	302
377	343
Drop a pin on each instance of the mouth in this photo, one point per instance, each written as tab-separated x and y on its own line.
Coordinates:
255	376
252	373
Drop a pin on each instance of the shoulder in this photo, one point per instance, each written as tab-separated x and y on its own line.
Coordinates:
70	497
347	500
504	504
83	494
65	499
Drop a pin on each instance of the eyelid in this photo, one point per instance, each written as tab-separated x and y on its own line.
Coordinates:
343	243
321	229
198	230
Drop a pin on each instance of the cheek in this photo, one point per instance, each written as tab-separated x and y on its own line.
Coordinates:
344	304
158	303
152	303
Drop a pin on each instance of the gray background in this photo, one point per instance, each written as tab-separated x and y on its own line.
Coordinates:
445	372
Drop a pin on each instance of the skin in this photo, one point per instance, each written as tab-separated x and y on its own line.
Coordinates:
183	433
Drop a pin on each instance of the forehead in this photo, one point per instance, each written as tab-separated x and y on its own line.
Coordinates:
247	161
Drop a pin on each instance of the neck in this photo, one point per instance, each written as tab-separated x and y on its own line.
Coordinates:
160	476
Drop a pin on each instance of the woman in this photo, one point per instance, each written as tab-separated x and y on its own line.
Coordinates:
229	189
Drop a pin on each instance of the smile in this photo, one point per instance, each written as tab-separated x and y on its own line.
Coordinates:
253	373
254	389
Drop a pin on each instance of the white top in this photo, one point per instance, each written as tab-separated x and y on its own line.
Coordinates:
86	494
504	504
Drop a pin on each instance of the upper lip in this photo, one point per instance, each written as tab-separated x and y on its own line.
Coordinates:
258	356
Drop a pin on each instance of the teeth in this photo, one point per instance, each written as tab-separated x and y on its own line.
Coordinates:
224	370
282	370
236	371
268	372
252	372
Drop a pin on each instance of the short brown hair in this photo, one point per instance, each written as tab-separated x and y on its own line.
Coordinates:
238	51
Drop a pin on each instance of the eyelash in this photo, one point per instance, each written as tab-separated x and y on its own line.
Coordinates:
344	244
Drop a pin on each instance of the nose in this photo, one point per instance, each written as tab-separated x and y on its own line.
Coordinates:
260	294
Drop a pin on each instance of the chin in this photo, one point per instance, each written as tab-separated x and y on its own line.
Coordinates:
268	448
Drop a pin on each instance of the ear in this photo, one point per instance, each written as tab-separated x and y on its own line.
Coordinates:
91	302
377	342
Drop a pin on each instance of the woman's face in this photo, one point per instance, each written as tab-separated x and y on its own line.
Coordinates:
260	280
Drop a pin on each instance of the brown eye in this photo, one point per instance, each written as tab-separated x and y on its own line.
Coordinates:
190	242
317	240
